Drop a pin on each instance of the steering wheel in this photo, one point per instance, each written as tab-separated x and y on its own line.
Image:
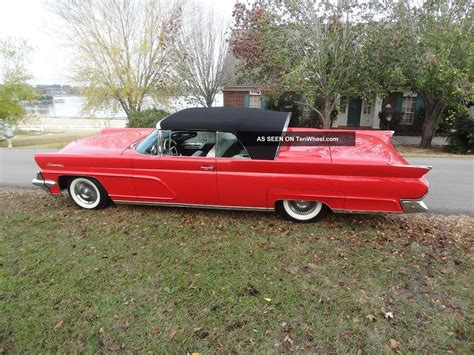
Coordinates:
172	146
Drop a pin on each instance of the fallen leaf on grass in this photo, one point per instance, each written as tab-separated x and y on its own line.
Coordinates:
201	333
447	271
287	343
388	315
127	302
58	325
394	344
288	340
251	290
267	299
110	345
155	331
461	334
173	333
371	317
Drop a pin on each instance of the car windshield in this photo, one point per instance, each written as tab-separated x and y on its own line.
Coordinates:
145	146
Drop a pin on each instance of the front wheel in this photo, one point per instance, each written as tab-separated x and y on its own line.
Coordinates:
88	193
302	211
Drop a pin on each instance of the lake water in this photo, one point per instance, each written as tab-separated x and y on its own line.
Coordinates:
72	106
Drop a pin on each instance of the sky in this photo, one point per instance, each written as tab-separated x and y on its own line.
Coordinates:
31	20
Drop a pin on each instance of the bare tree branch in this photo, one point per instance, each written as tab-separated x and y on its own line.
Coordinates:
202	46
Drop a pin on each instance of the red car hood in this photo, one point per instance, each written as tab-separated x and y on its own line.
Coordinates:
109	142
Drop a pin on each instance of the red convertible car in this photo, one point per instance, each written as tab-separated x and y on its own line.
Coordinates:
209	158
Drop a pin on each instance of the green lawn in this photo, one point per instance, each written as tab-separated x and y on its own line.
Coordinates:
164	280
54	140
434	152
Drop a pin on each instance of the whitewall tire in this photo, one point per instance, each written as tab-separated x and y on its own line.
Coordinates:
87	193
302	211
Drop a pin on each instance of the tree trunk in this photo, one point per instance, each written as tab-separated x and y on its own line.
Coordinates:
326	115
123	104
427	132
433	109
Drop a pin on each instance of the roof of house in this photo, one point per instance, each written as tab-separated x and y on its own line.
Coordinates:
245	123
234	80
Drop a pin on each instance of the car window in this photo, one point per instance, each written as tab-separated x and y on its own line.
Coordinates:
229	146
177	143
196	144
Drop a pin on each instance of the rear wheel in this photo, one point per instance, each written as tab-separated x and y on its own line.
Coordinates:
88	193
302	211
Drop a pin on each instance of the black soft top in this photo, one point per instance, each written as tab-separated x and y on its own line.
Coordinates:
245	123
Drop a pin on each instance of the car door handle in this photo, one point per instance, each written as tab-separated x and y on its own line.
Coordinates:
207	167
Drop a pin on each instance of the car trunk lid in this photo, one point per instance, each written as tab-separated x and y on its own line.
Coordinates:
371	147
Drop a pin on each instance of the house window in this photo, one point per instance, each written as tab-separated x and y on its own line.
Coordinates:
408	109
306	114
255	101
367	107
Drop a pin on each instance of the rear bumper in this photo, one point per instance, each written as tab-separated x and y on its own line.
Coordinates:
44	184
413	206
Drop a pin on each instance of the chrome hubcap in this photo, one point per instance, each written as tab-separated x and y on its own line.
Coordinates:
302	207
85	192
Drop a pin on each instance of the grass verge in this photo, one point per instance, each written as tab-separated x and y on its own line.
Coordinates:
434	152
139	279
52	140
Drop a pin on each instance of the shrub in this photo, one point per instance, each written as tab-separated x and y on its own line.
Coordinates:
146	118
449	118
461	139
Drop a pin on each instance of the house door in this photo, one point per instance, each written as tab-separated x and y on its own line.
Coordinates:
353	116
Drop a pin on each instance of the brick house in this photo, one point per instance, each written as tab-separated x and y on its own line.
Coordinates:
355	112
241	93
365	114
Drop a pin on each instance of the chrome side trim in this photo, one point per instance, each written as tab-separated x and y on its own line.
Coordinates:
413	206
408	206
429	167
190	205
363	211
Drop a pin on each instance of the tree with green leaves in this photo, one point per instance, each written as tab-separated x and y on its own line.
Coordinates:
124	49
315	48
435	49
14	55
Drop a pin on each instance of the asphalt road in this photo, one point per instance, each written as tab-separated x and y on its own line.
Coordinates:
451	179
